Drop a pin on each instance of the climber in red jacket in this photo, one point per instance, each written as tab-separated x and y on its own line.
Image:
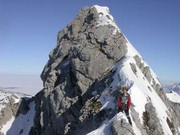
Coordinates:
124	102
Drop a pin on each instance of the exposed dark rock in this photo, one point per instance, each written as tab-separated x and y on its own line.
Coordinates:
135	117
23	107
175	119
151	121
133	67
145	69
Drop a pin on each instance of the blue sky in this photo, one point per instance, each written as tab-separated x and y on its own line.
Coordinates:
28	30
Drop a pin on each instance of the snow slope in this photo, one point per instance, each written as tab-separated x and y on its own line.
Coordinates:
173	96
21	124
140	89
105	18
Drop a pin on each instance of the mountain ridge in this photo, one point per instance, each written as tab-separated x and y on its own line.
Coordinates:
91	62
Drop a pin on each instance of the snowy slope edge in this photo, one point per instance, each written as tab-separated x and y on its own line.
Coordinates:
144	87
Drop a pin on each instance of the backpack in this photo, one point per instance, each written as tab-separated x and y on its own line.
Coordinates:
124	99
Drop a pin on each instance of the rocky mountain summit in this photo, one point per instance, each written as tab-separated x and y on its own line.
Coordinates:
91	62
86	51
76	98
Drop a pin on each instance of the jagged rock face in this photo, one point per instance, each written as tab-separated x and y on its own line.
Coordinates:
85	52
81	64
145	69
175	119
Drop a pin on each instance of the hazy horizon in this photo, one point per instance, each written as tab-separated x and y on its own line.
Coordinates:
30	84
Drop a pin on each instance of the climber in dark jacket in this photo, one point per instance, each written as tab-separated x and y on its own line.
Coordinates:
124	102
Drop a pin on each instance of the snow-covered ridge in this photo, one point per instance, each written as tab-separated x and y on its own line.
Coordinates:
5	97
133	52
105	18
140	93
173	96
140	89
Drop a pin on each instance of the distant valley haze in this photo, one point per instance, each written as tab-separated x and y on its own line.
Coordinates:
28	84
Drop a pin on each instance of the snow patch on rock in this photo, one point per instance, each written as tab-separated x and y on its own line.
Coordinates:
105	18
173	96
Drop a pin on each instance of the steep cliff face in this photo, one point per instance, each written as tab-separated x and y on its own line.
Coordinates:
90	63
86	51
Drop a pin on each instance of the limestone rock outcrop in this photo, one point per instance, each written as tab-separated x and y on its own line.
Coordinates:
85	52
